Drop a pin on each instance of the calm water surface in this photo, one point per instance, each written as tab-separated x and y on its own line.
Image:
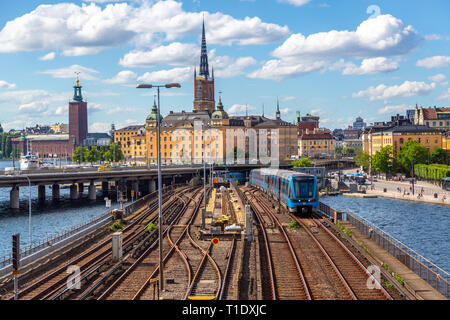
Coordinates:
425	228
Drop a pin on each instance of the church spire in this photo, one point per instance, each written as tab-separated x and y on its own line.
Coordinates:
278	114
204	69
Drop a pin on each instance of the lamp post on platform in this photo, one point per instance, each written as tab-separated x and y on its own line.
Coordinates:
158	125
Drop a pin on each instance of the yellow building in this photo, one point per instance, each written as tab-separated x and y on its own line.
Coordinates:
397	136
316	143
190	137
128	139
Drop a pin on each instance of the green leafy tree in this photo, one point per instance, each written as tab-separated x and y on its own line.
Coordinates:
362	159
80	154
93	155
383	160
412	153
348	151
114	149
438	156
303	162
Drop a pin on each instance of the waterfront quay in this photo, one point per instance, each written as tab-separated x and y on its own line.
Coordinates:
237	243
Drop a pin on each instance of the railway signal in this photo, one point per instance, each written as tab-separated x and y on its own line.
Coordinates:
16	251
215	241
16	263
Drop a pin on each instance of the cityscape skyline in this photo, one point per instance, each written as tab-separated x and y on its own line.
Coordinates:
359	63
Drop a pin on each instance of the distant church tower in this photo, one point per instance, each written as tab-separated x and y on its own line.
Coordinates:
204	83
78	119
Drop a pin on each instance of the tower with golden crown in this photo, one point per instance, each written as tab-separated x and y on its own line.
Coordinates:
78	118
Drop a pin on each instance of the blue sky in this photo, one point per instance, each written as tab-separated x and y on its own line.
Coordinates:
335	59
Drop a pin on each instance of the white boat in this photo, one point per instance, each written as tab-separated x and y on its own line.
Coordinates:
29	162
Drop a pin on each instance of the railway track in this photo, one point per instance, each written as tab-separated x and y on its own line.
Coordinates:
351	271
134	280
320	252
286	278
55	281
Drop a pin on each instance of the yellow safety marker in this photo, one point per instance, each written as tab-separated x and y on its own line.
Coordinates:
153	280
201	297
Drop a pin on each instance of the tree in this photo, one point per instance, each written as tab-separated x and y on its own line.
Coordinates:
412	153
93	155
80	153
113	149
439	156
383	160
303	162
362	159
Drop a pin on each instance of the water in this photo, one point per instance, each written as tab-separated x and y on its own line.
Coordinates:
47	219
423	227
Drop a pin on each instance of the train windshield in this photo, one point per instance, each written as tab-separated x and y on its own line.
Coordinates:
304	187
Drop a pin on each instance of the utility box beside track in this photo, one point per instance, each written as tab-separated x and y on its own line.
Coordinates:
116	246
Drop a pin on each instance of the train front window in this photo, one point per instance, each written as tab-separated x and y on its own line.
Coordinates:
304	187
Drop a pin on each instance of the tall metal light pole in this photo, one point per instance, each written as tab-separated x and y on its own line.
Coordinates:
158	139
29	210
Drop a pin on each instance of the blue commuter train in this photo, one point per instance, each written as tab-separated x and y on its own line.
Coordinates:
238	177
296	190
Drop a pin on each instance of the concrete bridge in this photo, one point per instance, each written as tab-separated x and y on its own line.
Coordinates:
140	179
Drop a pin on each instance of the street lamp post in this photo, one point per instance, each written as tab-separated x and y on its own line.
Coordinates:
160	218
29	210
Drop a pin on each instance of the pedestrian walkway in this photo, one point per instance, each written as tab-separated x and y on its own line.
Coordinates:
403	191
413	283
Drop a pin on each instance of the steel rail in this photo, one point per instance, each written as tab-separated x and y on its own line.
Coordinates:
174	246
268	251
291	248
356	260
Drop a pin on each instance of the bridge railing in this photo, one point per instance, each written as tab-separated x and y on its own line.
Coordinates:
427	270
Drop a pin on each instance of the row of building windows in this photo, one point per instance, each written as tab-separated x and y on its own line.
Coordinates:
441	123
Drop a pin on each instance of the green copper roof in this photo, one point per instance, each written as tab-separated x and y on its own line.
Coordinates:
154	114
219	113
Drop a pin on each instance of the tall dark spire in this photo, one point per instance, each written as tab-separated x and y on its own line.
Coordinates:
278	114
204	68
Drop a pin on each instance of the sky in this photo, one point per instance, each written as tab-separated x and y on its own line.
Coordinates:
334	59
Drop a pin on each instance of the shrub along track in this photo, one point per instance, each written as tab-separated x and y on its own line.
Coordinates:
52	283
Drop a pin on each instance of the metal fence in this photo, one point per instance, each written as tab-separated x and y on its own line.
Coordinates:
50	241
434	275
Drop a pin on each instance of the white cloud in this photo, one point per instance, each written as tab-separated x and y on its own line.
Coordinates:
239	109
89	28
406	89
394	109
279	70
226	67
297	3
171	75
48	56
434	62
291	98
175	54
100	127
368	66
122	77
384	35
6	85
439	78
373	40
445	95
69	72
33	108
